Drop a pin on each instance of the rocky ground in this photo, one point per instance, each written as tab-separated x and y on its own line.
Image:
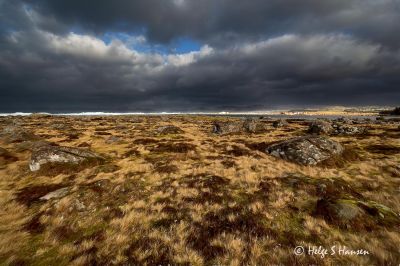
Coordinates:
197	190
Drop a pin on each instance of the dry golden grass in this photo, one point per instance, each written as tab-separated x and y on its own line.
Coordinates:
192	198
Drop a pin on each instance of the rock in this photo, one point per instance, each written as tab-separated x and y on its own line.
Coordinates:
247	126
54	155
228	127
280	123
59	193
15	134
356	214
165	130
307	150
320	128
339	129
113	140
32	145
253	126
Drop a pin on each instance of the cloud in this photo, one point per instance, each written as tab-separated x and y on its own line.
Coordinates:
254	55
225	20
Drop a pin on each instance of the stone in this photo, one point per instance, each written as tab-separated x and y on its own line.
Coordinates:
307	150
340	129
320	128
242	126
57	194
356	214
165	130
16	134
113	140
254	126
60	155
227	127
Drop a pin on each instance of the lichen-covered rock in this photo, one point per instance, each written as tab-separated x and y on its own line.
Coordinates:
356	214
15	134
307	150
165	130
228	127
59	193
320	128
340	129
254	126
54	155
245	126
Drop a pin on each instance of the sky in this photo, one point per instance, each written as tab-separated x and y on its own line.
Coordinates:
197	55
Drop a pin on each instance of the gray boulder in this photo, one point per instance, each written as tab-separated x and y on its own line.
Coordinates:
307	150
356	214
254	126
228	127
165	130
57	194
15	134
320	128
54	155
341	129
245	126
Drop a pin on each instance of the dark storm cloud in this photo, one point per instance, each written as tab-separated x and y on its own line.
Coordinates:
219	20
256	54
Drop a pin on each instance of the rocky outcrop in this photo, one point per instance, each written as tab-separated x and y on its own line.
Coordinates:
342	129
165	130
336	128
307	150
15	134
56	155
227	127
254	126
57	194
320	128
246	126
356	214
